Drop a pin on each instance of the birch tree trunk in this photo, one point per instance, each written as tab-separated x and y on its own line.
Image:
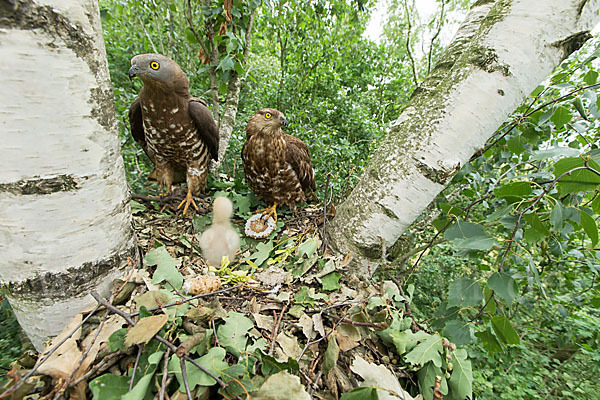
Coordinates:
65	221
500	54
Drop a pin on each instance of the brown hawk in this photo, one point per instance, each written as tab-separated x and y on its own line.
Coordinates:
176	130
277	165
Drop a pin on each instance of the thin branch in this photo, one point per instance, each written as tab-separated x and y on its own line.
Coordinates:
434	38
137	360
408	50
163	385
185	379
534	203
180	302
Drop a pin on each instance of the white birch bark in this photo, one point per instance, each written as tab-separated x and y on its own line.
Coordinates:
502	51
65	221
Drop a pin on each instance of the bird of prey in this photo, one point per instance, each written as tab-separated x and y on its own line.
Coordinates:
220	239
277	165
177	131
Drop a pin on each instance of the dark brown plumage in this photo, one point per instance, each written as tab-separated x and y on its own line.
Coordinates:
277	165
176	130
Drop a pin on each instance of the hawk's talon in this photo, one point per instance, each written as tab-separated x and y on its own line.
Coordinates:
189	199
164	195
271	211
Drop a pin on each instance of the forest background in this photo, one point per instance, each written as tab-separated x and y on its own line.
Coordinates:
341	90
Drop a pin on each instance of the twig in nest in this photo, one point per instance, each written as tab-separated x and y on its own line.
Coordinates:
102	366
180	302
137	360
40	362
276	329
161	200
376	325
164	384
185	379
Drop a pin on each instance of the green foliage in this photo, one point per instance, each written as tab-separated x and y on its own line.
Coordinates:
10	343
515	279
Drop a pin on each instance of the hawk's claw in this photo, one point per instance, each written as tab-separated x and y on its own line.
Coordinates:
187	201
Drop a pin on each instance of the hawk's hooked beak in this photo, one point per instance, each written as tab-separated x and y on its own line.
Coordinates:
283	121
133	71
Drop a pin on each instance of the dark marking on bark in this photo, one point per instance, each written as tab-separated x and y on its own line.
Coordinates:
580	7
482	2
439	176
103	108
61	183
487	60
501	92
573	43
75	282
26	15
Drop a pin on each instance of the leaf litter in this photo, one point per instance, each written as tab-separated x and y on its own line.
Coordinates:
281	320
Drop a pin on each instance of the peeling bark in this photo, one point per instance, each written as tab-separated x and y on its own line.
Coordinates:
65	222
499	55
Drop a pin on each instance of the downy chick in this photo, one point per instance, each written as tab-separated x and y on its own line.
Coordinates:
220	239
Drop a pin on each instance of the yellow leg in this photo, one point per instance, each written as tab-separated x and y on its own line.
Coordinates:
167	193
270	211
187	201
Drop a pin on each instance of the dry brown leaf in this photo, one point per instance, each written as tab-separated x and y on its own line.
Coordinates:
318	324
306	323
289	347
145	329
346	260
264	321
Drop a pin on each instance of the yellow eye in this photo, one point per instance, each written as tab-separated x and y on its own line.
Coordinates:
268	115
154	65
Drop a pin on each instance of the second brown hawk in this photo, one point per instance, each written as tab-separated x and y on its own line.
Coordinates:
277	165
177	131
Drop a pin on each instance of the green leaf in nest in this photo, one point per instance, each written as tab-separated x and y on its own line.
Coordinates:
109	386
212	361
331	281
233	334
166	267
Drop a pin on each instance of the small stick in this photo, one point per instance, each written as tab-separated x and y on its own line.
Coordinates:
163	385
180	302
185	380
106	363
137	360
276	329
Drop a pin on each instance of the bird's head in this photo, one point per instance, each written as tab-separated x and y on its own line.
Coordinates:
156	69
266	120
